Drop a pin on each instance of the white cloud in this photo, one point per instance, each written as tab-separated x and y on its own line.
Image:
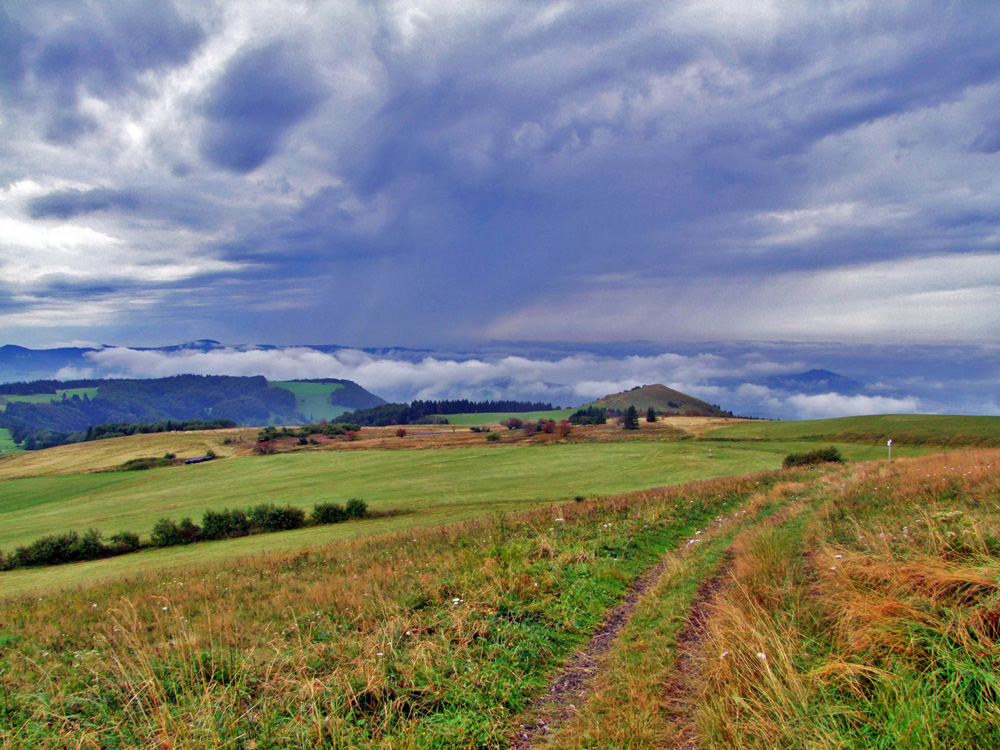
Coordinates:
940	298
825	405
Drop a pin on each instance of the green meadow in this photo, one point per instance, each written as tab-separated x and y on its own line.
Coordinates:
312	400
46	398
7	444
930	429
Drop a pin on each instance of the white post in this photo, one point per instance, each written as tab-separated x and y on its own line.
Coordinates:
890	448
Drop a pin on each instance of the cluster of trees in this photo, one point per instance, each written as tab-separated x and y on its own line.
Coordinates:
178	399
465	406
589	415
433	412
57	549
45	387
122	429
328	429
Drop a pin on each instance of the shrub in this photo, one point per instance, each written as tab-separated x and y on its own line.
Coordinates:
90	546
269	517
350	435
222	524
166	533
564	428
513	423
819	456
140	464
356	508
328	513
49	550
124	542
189	531
400	432
493	437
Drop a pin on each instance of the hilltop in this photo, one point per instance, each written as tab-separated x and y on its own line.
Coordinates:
664	400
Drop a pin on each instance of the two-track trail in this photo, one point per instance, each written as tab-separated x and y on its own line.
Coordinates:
571	684
571	688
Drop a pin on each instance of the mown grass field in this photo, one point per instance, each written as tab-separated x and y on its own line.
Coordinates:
934	429
454	484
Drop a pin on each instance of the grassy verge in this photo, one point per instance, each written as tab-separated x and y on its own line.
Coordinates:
432	639
877	627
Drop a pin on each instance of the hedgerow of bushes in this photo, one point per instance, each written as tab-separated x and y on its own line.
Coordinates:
68	547
818	456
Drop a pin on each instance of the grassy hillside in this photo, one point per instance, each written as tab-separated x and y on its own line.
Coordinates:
911	429
661	398
845	607
313	399
101	455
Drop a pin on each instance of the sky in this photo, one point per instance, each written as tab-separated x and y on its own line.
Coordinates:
445	174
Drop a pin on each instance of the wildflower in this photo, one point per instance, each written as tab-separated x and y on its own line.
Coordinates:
724	655
761	655
838	556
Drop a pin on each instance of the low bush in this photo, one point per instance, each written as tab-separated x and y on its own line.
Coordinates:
224	524
493	437
168	533
356	508
124	542
140	464
324	513
818	456
269	517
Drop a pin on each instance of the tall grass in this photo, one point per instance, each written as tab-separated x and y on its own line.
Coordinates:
876	626
431	639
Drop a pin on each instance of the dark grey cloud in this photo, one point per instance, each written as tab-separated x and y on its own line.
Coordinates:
264	93
100	50
63	205
517	159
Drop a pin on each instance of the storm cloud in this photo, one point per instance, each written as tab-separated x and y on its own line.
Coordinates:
435	174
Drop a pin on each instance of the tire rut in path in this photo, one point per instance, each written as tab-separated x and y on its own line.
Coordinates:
572	683
678	691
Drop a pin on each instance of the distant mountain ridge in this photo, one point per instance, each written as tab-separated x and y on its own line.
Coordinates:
814	382
663	399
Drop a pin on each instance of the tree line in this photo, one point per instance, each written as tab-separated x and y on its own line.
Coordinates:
436	411
70	546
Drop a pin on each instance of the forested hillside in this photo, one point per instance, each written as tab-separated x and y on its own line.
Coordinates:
63	418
